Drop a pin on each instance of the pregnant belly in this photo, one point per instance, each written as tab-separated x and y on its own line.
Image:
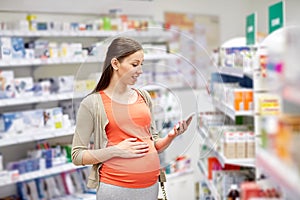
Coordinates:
148	163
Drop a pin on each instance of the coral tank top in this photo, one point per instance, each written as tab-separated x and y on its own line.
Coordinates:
129	121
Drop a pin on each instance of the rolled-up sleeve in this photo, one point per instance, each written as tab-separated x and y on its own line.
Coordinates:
83	131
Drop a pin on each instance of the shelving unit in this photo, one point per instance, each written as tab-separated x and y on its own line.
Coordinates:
13	139
281	170
151	35
229	111
38	99
38	174
245	162
231	116
16	63
209	183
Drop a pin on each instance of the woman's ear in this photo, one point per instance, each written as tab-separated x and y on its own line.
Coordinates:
115	64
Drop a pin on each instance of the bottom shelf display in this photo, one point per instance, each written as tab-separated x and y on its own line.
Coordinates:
61	182
280	173
12	177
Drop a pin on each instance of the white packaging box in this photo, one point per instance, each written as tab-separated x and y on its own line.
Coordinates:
12	122
229	144
7	88
76	49
53	50
41	48
240	144
5	48
66	83
23	86
33	119
67	108
250	145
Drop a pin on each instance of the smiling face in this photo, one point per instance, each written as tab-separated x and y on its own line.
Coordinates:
129	68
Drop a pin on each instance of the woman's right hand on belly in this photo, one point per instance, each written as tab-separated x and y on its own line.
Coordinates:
130	148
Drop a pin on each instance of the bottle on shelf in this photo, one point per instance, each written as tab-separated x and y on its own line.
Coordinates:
233	193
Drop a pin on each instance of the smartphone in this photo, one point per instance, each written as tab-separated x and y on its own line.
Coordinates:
188	120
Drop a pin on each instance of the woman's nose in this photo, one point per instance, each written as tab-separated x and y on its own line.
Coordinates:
140	69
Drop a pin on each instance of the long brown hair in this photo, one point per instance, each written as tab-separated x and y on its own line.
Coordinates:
119	48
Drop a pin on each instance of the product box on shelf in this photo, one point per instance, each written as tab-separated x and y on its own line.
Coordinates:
27	190
228	146
24	86
80	86
49	85
53	118
234	56
18	50
29	54
60	184
67	108
33	119
250	144
24	165
21	25
238	142
41	49
53	50
240	98
12	122
241	144
66	83
5	48
7	88
76	49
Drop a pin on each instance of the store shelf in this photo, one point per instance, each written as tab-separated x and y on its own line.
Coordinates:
229	111
245	162
39	99
155	32
41	173
11	139
285	176
48	61
211	186
74	60
232	71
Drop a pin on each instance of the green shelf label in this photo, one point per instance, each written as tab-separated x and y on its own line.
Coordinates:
276	16
251	29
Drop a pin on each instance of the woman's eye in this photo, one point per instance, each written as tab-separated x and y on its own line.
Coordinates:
135	65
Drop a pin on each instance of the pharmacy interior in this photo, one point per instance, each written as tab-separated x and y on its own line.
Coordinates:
234	65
